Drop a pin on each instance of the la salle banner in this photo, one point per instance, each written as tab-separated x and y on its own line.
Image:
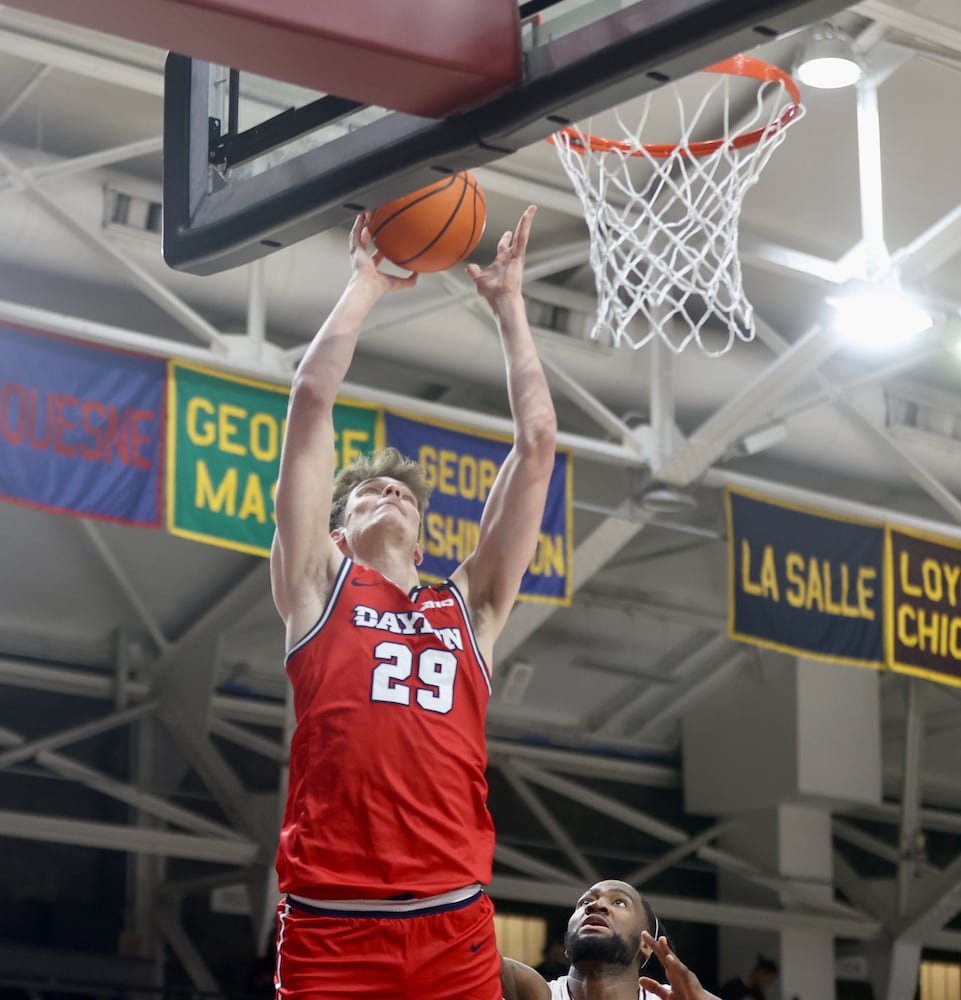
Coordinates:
867	593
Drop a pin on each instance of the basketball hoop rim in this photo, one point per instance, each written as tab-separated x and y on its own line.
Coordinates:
739	65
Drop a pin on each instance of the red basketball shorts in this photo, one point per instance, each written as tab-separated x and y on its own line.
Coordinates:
443	952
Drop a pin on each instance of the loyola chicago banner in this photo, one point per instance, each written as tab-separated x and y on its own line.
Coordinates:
461	467
81	428
224	438
872	594
924	605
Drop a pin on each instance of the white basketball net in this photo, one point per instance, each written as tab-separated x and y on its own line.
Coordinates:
664	239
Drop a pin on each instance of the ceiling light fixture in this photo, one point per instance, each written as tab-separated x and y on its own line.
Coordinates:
665	500
827	60
878	316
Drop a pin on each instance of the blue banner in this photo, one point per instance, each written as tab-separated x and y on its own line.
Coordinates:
81	428
805	583
461	467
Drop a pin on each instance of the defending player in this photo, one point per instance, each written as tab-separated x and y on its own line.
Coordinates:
386	837
611	933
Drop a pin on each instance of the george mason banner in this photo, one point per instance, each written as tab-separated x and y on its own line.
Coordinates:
224	437
461	467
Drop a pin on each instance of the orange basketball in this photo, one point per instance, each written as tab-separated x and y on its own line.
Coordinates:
434	228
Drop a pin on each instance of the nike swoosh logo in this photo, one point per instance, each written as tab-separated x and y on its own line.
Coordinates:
360	583
477	947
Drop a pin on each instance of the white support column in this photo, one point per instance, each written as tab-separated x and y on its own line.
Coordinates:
877	259
807	736
804	852
662	402
893	967
910	796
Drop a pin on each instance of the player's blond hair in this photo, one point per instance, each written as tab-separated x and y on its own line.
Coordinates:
387	462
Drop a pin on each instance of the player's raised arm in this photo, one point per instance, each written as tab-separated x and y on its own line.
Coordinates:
521	982
491	576
303	555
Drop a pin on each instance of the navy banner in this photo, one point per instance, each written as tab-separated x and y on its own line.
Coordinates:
805	582
81	428
461	467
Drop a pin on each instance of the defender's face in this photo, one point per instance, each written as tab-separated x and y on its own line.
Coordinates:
608	909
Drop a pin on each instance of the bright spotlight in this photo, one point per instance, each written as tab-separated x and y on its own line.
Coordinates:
827	60
878	317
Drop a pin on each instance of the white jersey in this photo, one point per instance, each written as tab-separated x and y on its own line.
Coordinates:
559	990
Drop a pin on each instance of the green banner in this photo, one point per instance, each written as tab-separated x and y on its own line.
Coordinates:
224	435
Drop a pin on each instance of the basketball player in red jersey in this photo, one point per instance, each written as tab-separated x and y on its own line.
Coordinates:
386	838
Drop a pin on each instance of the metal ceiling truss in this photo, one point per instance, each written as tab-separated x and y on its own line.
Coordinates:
213	842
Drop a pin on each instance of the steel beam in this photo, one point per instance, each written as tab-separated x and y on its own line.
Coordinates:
80	164
727	424
153	289
690	846
76	733
522	862
83	63
153	805
115	837
696	910
589	556
167	917
546	818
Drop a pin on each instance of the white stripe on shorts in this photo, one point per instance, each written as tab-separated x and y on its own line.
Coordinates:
390	905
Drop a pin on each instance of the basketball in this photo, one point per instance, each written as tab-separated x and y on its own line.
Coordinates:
434	228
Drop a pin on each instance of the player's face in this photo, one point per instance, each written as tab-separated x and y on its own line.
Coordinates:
380	499
606	925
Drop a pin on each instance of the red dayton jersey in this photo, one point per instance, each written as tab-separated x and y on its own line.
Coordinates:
387	792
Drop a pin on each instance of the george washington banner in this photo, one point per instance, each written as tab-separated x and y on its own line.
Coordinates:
461	467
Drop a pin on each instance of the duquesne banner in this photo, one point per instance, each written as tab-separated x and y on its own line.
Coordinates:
461	467
81	428
872	594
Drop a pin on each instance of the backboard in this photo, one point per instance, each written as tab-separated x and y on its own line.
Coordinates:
252	165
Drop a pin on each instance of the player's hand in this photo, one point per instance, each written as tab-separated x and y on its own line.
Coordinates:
684	984
505	275
366	265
